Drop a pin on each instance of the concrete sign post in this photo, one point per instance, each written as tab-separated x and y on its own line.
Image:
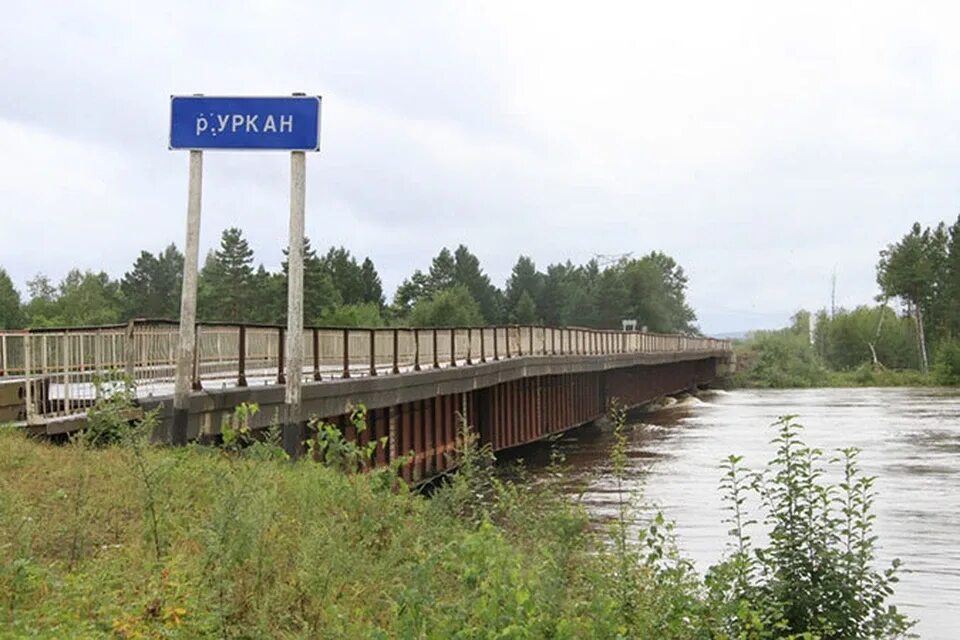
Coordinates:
188	302
292	429
245	123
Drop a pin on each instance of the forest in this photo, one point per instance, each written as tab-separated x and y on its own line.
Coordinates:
342	290
910	335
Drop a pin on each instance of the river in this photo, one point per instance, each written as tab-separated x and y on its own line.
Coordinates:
910	440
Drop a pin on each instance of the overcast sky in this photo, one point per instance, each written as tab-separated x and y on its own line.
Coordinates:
763	146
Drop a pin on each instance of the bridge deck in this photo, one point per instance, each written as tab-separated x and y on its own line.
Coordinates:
514	384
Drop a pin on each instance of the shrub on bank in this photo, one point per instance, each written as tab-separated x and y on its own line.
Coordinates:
946	363
137	541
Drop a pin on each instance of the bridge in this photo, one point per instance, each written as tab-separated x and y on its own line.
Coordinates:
513	384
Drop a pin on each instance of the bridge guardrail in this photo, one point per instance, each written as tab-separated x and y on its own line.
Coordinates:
61	366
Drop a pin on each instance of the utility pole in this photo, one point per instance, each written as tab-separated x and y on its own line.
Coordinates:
833	294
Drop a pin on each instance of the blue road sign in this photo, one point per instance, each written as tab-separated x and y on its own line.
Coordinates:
290	123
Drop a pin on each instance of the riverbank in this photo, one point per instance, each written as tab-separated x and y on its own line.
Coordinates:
136	541
146	542
864	376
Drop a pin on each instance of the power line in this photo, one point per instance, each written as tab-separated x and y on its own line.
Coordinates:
606	260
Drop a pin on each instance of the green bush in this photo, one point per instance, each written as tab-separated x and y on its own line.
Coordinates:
946	362
867	375
778	359
815	577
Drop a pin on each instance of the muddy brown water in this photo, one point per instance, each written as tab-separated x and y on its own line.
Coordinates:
909	438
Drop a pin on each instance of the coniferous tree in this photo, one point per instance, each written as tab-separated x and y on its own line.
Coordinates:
443	271
467	273
523	278
525	311
370	284
555	297
227	279
269	298
152	288
345	274
583	295
319	291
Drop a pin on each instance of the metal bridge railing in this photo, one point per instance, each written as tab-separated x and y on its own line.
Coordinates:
59	368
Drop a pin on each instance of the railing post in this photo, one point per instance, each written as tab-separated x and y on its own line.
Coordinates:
196	384
416	350
436	352
506	339
553	342
483	347
346	354
532	350
470	345
519	341
373	352
65	367
496	355
130	351
28	379
396	350
281	347
453	347
242	357
316	355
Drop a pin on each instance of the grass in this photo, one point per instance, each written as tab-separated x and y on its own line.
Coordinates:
863	376
131	540
263	548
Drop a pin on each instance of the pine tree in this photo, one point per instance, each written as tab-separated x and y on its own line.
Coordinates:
319	291
467	273
525	311
370	284
227	279
443	271
555	296
345	274
152	288
523	278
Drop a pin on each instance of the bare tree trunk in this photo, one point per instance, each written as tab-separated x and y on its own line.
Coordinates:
921	339
876	336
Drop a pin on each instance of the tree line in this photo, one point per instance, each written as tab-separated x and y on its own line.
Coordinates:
913	325
342	290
